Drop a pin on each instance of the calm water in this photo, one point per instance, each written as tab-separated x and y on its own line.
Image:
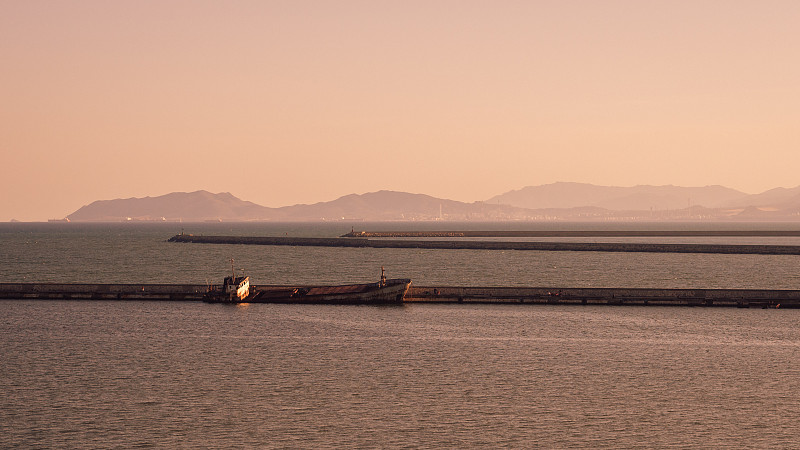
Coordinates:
134	253
172	374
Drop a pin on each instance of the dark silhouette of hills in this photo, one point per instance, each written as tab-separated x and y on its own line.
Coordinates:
392	205
193	206
205	206
557	201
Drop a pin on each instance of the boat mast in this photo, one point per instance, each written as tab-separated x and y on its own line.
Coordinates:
233	272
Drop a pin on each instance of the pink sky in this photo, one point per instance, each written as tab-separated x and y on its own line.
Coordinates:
284	102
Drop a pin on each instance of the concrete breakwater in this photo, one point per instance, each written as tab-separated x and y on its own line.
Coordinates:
102	291
494	245
743	298
573	233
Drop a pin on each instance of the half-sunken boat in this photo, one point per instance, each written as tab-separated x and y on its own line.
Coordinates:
238	290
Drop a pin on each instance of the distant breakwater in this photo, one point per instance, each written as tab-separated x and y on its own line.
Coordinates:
493	245
573	233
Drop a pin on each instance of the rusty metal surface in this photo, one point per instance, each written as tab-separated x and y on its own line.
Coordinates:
350	289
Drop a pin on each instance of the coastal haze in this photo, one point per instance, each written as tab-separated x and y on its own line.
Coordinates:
285	103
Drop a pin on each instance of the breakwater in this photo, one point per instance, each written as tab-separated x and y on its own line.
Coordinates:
494	245
742	298
101	291
573	233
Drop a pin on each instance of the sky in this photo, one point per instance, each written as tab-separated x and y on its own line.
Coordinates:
287	102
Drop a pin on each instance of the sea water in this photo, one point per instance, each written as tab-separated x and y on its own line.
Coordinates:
188	374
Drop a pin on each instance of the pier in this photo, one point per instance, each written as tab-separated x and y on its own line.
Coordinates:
420	295
494	245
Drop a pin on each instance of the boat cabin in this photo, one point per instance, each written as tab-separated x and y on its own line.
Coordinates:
236	287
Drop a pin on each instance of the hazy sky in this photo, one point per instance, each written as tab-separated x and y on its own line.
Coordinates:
284	102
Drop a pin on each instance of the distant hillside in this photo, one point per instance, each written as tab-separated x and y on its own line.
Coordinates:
392	205
637	198
191	206
774	198
378	206
385	205
558	201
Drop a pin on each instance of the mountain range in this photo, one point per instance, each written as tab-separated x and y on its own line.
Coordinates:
556	201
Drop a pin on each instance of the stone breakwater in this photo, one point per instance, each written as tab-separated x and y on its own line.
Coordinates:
573	233
101	291
494	245
742	298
